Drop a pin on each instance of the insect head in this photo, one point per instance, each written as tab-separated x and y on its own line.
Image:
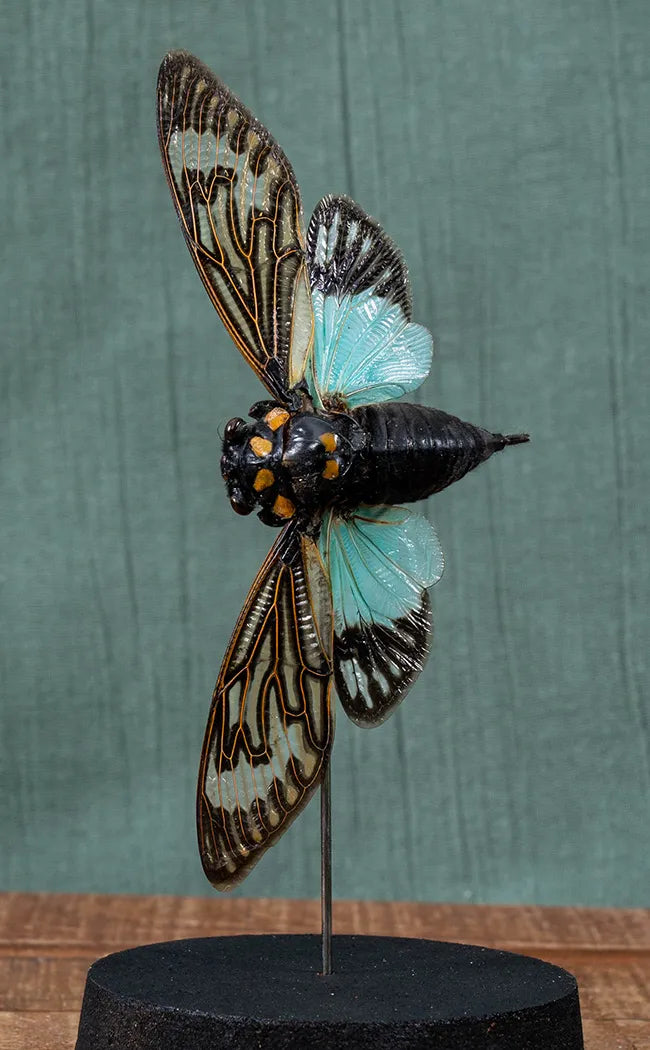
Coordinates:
251	464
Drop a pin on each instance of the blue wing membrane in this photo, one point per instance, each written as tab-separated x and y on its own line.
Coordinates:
380	562
366	348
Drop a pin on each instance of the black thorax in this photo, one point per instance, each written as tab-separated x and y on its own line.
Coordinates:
302	462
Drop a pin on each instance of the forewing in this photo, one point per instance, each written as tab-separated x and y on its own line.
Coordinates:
270	728
239	207
381	562
366	348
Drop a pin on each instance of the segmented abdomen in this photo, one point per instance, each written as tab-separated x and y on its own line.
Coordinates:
412	451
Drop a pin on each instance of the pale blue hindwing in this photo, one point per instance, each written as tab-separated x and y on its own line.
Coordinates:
366	349
380	562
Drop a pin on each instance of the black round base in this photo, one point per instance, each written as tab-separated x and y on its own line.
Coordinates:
235	993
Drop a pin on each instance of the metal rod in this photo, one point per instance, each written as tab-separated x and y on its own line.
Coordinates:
326	870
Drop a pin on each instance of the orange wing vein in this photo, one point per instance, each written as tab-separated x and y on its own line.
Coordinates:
239	207
270	728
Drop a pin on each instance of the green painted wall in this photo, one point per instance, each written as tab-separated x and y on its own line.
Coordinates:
505	146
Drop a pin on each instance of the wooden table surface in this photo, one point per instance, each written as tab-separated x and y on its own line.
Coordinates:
47	942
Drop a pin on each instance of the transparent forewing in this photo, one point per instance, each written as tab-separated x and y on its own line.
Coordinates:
239	206
380	562
270	728
366	348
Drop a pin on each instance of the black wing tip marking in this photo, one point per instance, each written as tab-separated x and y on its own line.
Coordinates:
174	61
237	262
385	253
235	830
179	62
402	647
218	874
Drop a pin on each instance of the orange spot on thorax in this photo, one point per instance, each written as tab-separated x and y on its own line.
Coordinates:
261	446
277	417
329	441
331	470
283	507
263	479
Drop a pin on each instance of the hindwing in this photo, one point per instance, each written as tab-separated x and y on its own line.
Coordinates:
239	207
380	560
366	348
270	728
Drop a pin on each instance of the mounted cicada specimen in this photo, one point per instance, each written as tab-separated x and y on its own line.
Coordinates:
330	457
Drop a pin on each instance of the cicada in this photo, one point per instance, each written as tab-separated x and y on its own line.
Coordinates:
330	456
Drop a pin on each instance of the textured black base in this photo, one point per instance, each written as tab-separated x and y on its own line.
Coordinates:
235	993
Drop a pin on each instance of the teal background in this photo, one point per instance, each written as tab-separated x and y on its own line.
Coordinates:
505	146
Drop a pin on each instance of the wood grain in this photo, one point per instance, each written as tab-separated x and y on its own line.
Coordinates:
48	941
606	1035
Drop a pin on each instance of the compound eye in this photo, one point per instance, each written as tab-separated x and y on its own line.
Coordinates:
239	507
233	427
